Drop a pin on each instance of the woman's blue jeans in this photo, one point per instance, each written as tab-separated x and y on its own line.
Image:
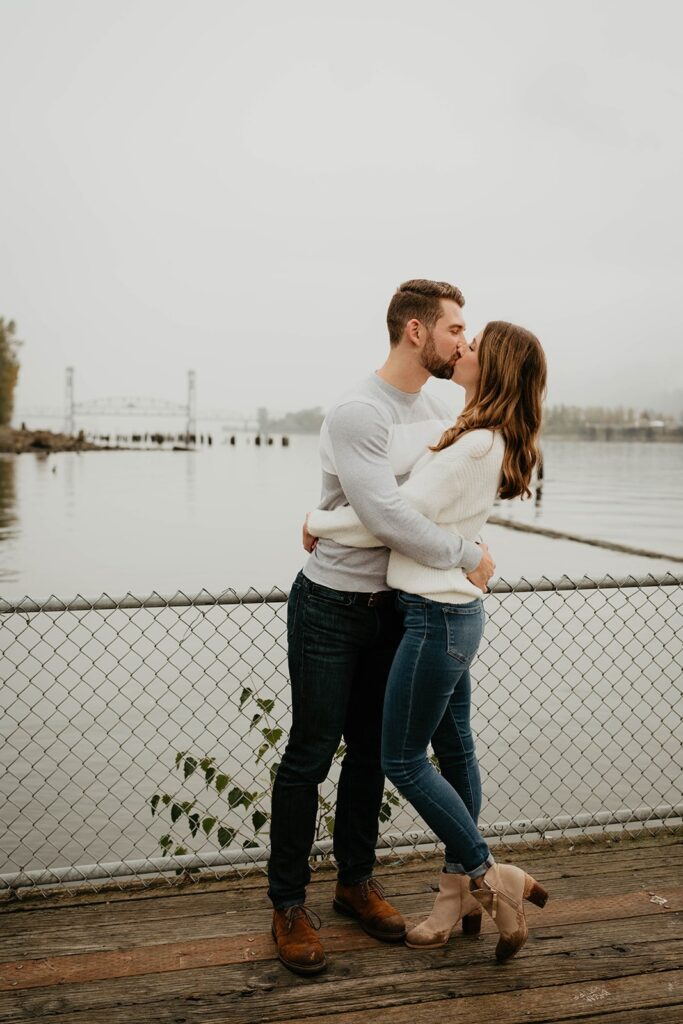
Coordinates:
428	701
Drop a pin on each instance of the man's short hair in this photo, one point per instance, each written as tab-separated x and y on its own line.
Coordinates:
418	300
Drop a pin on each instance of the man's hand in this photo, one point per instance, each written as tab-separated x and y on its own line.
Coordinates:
484	571
309	540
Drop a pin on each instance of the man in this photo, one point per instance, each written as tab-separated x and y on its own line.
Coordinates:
343	629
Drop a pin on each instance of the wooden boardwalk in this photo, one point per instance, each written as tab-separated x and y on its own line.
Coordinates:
605	949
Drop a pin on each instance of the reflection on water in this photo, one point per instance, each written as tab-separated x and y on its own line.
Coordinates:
8	515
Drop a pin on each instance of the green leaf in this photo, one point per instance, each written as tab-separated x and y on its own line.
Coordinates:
271	735
255	720
179	756
385	812
206	763
225	836
259	819
208	775
266	705
154	801
176	812
208	824
179	851
245	695
238	796
194	824
164	843
235	796
249	844
263	749
166	799
273	770
221	782
341	750
330	825
189	766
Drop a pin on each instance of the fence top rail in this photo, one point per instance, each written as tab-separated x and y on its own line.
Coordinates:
104	602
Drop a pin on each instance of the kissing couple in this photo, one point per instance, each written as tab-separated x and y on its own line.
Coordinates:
385	619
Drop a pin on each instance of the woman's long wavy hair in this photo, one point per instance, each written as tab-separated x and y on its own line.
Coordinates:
509	398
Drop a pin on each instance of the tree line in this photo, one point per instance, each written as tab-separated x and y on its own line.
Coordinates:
556	419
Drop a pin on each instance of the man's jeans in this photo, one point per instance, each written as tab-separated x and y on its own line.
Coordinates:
428	700
340	653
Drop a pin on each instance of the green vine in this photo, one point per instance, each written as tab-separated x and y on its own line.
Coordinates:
186	816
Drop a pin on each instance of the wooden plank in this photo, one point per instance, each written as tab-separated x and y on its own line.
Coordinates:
395	880
106	932
179	915
349	950
643	1015
131	889
561	1002
173	903
549	989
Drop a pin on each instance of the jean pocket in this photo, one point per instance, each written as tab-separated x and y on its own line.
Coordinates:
463	633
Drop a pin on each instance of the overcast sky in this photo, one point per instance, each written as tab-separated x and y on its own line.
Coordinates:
239	187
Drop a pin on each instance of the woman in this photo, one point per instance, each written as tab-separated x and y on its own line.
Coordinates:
490	451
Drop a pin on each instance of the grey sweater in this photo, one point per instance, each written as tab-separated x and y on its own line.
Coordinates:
369	442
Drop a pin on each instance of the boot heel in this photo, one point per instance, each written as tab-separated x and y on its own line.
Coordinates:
471	923
534	892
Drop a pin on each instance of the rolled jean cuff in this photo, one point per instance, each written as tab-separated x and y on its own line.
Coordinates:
450	867
483	868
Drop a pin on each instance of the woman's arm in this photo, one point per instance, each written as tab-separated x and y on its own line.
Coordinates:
435	483
343	525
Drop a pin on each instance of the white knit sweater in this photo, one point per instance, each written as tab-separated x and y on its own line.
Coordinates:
456	488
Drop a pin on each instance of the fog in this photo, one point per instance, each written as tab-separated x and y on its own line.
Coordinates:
238	188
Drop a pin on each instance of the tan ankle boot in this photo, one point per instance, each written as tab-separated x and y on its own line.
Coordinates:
501	892
454	902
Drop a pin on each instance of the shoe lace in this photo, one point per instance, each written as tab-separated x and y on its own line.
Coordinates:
374	884
293	913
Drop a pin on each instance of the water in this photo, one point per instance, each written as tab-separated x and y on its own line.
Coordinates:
231	516
577	699
630	493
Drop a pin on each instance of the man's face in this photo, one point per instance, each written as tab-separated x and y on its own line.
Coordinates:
440	350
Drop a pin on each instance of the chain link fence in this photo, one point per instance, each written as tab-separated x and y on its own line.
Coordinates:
140	736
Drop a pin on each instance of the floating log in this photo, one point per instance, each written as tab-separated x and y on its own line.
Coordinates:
542	531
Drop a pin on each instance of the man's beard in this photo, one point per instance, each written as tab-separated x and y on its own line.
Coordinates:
432	361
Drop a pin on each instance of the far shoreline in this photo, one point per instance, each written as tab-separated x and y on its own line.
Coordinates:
48	442
45	442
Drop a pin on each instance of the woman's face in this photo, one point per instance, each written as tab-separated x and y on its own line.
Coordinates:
466	372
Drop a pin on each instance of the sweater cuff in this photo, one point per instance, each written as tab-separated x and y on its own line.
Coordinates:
472	555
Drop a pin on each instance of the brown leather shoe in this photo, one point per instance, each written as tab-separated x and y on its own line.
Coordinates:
298	947
367	903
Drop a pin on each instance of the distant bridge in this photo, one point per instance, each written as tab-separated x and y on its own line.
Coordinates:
137	405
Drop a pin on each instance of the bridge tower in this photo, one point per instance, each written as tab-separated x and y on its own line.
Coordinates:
191	427
263	422
69	425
